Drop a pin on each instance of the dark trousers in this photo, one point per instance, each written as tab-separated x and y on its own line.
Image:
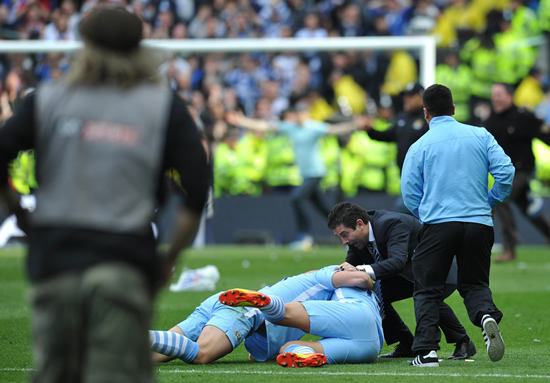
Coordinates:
519	196
431	261
397	288
310	190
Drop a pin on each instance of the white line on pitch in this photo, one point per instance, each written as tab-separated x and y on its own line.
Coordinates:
353	373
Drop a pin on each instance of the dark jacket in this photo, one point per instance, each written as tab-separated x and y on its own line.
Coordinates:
514	129
408	128
396	236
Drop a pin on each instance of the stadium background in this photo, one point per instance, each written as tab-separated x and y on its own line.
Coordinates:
495	40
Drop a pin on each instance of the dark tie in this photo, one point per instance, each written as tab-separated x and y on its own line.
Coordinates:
371	246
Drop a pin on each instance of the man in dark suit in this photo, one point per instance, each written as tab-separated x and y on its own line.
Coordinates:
395	236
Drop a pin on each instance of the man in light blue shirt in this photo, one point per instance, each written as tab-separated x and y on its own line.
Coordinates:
305	134
445	184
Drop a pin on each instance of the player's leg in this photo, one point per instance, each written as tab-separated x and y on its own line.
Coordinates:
272	307
213	344
180	340
172	344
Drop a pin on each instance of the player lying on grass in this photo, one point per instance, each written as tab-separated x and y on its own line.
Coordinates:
213	330
349	323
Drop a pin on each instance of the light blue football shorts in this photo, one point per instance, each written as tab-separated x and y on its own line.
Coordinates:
349	330
236	322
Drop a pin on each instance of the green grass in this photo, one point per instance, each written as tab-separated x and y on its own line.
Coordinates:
521	289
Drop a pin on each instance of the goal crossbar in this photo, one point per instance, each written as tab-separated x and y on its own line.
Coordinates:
424	45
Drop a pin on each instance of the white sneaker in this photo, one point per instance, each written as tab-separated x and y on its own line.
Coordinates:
428	360
202	279
493	338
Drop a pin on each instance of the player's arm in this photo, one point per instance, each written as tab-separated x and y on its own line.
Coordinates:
502	170
342	128
352	279
185	153
366	123
412	182
239	119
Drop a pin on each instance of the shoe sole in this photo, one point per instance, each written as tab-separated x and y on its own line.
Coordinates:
493	340
295	360
413	363
242	298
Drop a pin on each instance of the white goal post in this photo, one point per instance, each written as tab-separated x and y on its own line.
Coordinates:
424	45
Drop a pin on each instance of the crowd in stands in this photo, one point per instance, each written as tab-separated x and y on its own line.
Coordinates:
479	42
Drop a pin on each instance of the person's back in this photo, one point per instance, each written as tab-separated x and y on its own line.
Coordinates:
456	157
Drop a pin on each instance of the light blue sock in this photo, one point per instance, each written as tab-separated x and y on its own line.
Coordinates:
174	345
275	310
299	349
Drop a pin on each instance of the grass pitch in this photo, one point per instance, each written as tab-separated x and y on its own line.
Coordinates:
521	289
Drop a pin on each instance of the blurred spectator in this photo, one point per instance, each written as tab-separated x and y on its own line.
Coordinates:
523	20
529	93
68	7
58	30
164	22
351	22
514	129
460	15
312	28
423	18
177	71
243	79
179	31
34	23
480	54
285	64
270	90
394	15
515	55
299	9
402	70
457	77
51	67
206	25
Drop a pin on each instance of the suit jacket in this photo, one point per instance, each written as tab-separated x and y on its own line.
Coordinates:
396	236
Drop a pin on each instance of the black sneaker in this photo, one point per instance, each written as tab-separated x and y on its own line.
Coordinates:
493	339
463	350
400	351
429	360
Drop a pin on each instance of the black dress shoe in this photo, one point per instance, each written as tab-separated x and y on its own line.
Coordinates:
464	350
400	351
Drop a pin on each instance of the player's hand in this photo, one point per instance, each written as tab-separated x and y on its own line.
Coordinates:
363	122
233	117
347	267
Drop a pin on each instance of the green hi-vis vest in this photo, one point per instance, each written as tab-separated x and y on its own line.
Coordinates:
280	167
22	172
459	81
